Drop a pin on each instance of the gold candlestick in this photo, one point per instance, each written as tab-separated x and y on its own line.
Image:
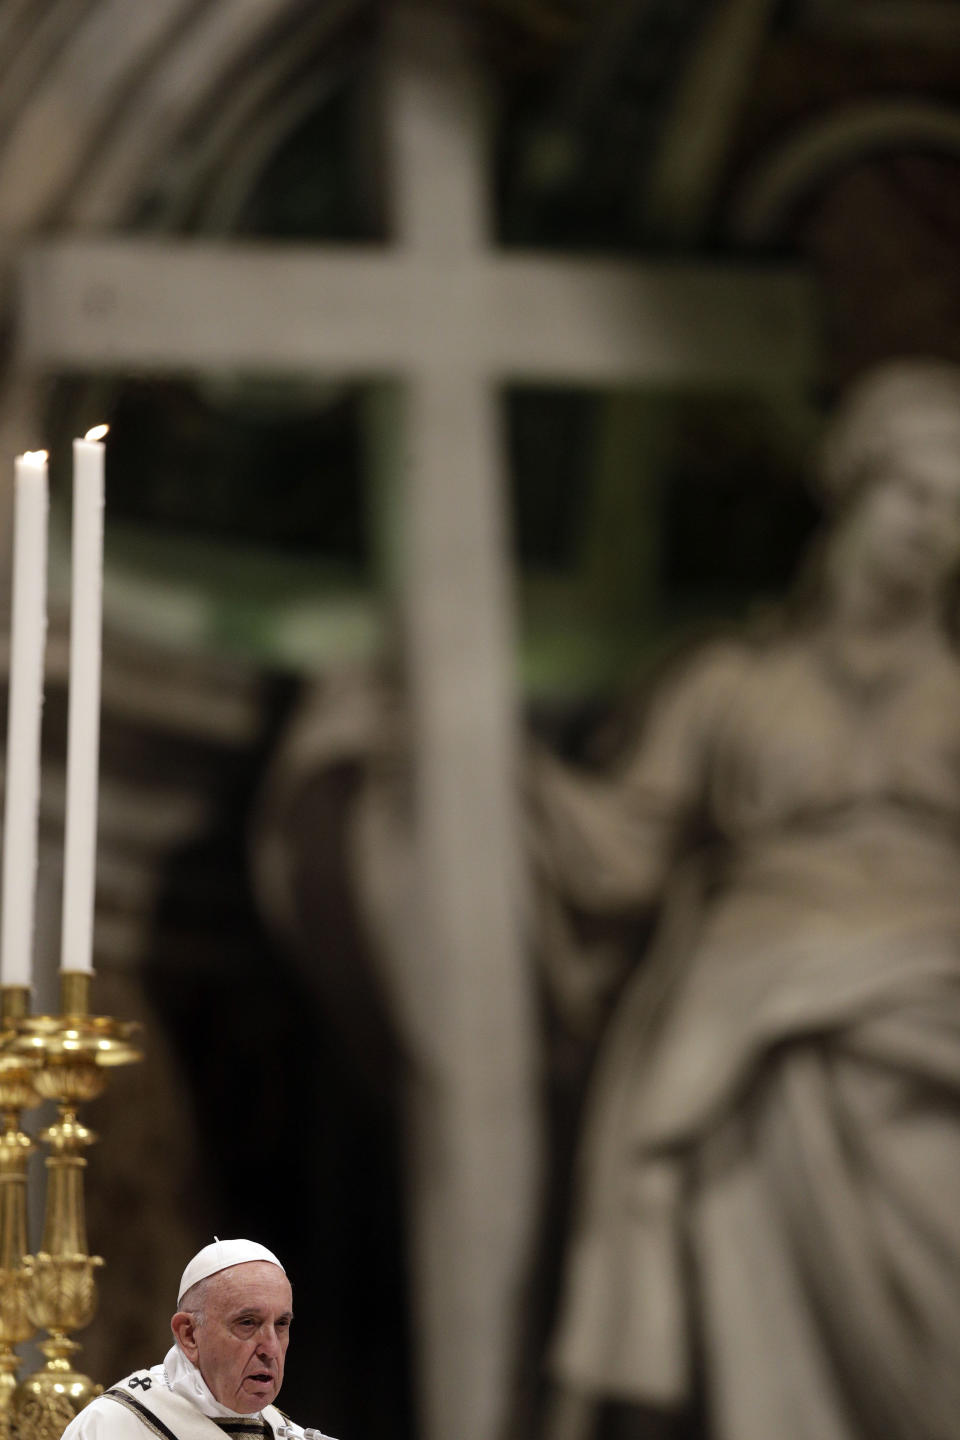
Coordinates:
17	1093
71	1050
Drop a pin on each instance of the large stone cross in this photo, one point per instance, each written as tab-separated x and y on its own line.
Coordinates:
452	319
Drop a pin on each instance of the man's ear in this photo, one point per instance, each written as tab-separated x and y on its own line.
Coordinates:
184	1330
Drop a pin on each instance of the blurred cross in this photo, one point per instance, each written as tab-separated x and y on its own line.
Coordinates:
452	319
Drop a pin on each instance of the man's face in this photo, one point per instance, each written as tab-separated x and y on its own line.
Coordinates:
241	1345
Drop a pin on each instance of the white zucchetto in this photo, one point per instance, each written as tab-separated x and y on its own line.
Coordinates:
220	1255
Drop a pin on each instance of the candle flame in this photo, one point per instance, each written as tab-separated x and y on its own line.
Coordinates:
97	432
35	457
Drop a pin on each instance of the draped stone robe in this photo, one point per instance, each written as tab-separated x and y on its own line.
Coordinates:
770	1169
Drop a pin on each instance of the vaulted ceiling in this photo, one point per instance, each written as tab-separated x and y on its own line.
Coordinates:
825	128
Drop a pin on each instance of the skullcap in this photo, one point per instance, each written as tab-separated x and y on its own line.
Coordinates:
220	1256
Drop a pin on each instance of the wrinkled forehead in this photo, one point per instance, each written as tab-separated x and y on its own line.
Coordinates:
255	1283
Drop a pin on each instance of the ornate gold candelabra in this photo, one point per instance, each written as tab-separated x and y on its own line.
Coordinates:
60	1058
17	1093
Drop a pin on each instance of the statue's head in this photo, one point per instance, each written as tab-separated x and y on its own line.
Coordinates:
890	465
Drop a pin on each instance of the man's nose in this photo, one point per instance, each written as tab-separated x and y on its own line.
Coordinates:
268	1341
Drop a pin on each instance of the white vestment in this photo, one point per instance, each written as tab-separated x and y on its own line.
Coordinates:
170	1398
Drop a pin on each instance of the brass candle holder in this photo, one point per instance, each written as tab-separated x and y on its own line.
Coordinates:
66	1055
17	1093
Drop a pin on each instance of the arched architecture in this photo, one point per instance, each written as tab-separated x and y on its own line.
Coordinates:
811	157
159	121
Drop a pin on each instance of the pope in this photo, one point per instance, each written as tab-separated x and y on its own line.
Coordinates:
223	1372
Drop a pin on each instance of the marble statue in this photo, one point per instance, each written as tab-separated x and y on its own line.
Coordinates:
767	1221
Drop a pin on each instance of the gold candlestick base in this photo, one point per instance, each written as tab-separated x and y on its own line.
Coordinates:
15	1325
17	1093
9	1365
46	1402
70	1053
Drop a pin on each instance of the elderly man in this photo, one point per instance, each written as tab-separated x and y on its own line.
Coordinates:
231	1329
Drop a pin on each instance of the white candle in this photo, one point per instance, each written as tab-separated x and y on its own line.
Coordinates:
24	709
83	716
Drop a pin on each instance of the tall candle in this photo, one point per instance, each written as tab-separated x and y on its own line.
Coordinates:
24	711
83	715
